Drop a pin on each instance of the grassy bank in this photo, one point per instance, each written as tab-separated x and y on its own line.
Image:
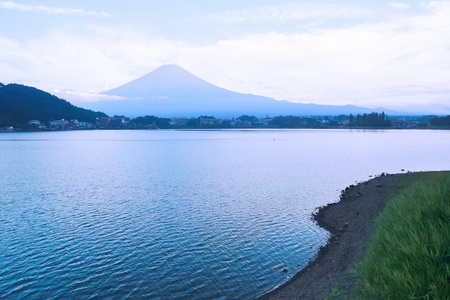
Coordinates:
409	256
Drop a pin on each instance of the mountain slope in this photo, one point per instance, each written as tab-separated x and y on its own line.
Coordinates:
19	104
166	81
172	91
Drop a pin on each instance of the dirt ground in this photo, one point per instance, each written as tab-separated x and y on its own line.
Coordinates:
351	222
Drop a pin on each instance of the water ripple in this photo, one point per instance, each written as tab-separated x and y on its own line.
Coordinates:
198	215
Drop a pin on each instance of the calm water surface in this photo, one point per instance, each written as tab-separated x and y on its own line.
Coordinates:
180	214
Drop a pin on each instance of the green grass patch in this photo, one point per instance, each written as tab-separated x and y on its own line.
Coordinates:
409	255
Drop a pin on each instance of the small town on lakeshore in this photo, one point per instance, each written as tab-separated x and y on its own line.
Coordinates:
373	120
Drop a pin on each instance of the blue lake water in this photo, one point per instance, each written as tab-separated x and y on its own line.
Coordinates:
180	214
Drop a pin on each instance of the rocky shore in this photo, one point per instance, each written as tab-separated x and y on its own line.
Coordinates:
351	221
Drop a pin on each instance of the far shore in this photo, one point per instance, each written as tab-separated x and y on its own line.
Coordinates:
351	221
21	130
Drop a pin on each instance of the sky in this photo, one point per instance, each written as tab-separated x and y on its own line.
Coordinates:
367	53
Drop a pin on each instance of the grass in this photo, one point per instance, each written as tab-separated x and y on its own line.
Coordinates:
409	255
344	290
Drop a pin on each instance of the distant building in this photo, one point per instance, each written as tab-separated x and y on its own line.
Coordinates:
117	121
247	124
103	122
85	125
8	128
210	121
402	123
34	122
59	124
178	122
74	123
267	121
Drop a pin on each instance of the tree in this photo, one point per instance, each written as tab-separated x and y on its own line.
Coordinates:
150	121
370	120
247	118
440	121
351	118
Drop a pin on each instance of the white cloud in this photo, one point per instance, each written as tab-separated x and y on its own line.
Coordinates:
77	97
104	59
404	60
290	12
357	64
50	10
398	5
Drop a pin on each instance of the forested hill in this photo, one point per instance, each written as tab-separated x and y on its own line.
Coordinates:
19	104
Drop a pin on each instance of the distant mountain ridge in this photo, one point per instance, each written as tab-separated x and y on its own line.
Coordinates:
171	91
20	104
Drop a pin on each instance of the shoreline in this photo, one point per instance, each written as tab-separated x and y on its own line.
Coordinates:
17	130
351	222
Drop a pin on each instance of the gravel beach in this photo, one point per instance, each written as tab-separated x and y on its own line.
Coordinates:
351	221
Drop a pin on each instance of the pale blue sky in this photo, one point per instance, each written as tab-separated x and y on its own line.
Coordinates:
368	53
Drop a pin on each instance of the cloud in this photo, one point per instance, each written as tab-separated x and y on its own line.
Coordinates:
356	64
76	97
400	61
398	5
50	10
290	12
106	58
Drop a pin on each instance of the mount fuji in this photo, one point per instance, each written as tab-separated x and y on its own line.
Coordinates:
171	91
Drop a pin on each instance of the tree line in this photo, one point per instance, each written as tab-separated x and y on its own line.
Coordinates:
375	120
440	122
369	120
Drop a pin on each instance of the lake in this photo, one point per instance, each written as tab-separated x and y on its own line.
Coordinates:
180	214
